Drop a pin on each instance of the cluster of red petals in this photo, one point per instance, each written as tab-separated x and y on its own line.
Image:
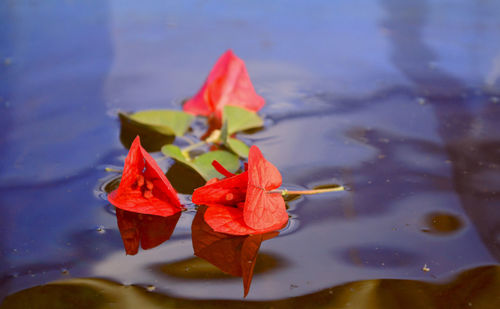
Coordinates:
143	187
227	84
243	204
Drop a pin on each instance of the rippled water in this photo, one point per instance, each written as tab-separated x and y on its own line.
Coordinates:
397	100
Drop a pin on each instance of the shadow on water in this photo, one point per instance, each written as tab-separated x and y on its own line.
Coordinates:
470	136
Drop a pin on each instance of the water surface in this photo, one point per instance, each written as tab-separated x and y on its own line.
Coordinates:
399	101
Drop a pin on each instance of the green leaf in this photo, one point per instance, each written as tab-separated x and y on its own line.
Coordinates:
223	132
203	163
167	122
151	140
238	147
239	119
174	152
227	159
235	145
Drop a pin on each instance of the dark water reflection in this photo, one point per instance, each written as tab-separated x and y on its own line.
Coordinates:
478	289
398	100
468	126
147	230
441	223
199	269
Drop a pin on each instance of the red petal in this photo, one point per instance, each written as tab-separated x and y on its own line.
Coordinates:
221	169
166	192
229	191
228	220
263	210
262	173
198	105
227	84
162	201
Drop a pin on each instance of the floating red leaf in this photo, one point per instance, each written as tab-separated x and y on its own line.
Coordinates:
243	204
227	84
143	187
148	230
235	255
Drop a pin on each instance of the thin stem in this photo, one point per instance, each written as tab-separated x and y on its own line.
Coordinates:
112	170
211	139
214	137
308	192
187	149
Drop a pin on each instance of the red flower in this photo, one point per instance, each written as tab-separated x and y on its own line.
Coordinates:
143	187
227	84
243	204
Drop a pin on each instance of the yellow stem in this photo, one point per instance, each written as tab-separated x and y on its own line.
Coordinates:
308	192
211	139
112	170
185	151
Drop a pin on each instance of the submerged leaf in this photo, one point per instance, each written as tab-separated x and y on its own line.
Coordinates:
167	122
203	163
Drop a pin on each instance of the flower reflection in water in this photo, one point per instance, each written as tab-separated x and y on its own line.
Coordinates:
148	230
235	255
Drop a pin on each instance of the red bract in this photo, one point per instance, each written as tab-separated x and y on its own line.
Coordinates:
143	187
243	204
227	84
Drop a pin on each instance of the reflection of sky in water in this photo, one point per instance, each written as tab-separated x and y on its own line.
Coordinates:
465	37
320	48
340	109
